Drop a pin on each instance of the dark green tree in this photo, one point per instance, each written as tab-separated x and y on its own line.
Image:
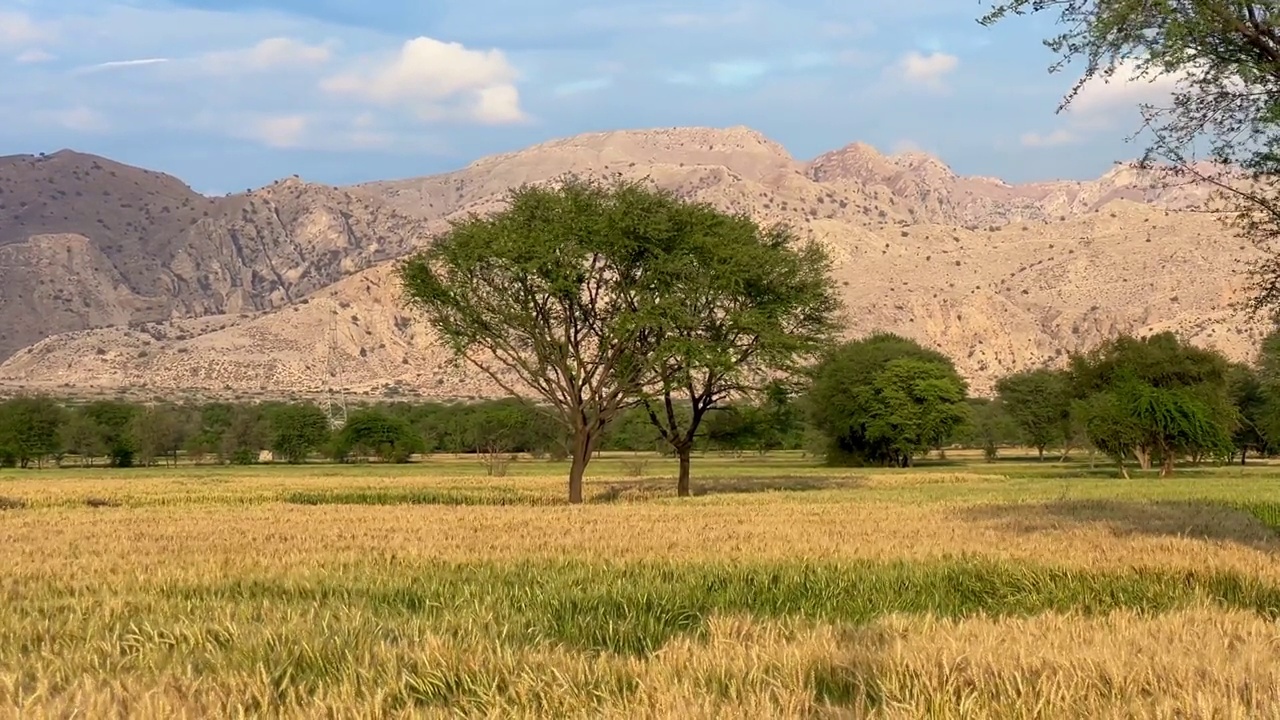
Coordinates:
1221	125
560	295
81	437
1159	399
1250	400
246	436
161	432
30	428
747	307
114	423
297	431
1039	402
375	433
884	399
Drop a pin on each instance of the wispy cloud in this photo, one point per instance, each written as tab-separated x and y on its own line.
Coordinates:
117	64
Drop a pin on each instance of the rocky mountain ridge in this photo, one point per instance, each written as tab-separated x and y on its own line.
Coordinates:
999	276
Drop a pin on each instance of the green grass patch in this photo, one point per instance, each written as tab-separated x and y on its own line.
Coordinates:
1267	513
635	608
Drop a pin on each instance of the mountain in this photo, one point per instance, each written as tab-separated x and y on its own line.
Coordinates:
86	242
999	276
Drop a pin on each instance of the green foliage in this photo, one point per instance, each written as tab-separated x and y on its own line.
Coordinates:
114	422
990	427
1040	404
374	433
297	431
562	292
29	430
1155	398
744	308
885	399
161	431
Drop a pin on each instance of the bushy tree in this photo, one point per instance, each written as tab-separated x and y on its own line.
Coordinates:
114	423
885	399
1039	402
376	433
990	427
161	432
1155	398
30	429
746	308
297	431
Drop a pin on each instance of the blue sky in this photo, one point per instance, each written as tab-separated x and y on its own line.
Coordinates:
231	94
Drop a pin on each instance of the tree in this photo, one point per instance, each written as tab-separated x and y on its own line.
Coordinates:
1225	58
1250	400
884	399
296	431
745	307
1038	402
30	429
245	436
1156	398
161	431
80	436
559	293
990	427
114	422
374	433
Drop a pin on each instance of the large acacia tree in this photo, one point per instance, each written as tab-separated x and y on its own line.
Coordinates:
565	292
1221	125
750	306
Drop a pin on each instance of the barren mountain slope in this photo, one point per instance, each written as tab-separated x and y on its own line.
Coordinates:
154	249
995	301
1084	264
926	190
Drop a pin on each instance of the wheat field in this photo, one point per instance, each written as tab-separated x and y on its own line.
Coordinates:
783	589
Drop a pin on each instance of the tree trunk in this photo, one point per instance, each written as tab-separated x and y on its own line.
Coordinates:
1166	465
1040	453
682	483
1144	457
1243	451
1124	472
581	456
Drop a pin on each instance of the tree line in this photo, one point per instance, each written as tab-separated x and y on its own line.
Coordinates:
38	431
882	400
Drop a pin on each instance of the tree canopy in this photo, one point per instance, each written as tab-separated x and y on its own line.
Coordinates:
1038	402
592	294
748	307
1156	398
885	399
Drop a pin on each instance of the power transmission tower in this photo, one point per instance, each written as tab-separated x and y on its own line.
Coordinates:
335	395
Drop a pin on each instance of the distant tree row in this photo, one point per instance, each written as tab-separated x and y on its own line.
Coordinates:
36	431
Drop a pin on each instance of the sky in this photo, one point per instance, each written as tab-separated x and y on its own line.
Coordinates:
233	94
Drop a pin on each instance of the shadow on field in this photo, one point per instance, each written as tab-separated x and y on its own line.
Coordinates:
1190	519
660	487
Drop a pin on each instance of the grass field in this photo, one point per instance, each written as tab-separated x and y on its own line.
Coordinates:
783	589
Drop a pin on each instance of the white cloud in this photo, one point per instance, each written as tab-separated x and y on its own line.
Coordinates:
1050	139
114	64
280	131
438	80
1103	103
18	30
927	71
31	57
270	54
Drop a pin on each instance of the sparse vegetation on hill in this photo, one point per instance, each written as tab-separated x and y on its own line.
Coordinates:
999	277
